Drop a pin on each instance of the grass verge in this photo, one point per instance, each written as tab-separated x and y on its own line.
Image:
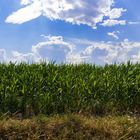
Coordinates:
71	127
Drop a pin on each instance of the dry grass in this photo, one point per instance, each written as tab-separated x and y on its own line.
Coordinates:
71	127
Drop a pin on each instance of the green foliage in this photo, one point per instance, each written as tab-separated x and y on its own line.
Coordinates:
51	88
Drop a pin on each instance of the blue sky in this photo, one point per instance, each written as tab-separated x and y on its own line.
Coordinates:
68	31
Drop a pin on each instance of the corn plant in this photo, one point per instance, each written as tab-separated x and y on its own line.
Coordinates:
66	88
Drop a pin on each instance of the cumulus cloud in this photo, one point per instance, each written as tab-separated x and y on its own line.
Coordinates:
76	58
89	12
28	57
55	48
114	34
113	22
25	2
109	52
136	58
113	52
115	13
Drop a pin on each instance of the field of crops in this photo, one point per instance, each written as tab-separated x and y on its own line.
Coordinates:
50	88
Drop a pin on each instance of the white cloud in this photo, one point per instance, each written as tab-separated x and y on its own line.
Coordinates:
28	57
26	2
55	48
76	58
136	58
115	13
114	34
113	22
25	14
89	12
113	52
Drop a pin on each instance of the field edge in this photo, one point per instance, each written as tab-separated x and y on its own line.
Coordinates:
71	126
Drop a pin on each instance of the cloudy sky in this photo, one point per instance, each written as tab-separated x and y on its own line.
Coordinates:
70	31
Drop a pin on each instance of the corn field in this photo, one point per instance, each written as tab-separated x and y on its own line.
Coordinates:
66	88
